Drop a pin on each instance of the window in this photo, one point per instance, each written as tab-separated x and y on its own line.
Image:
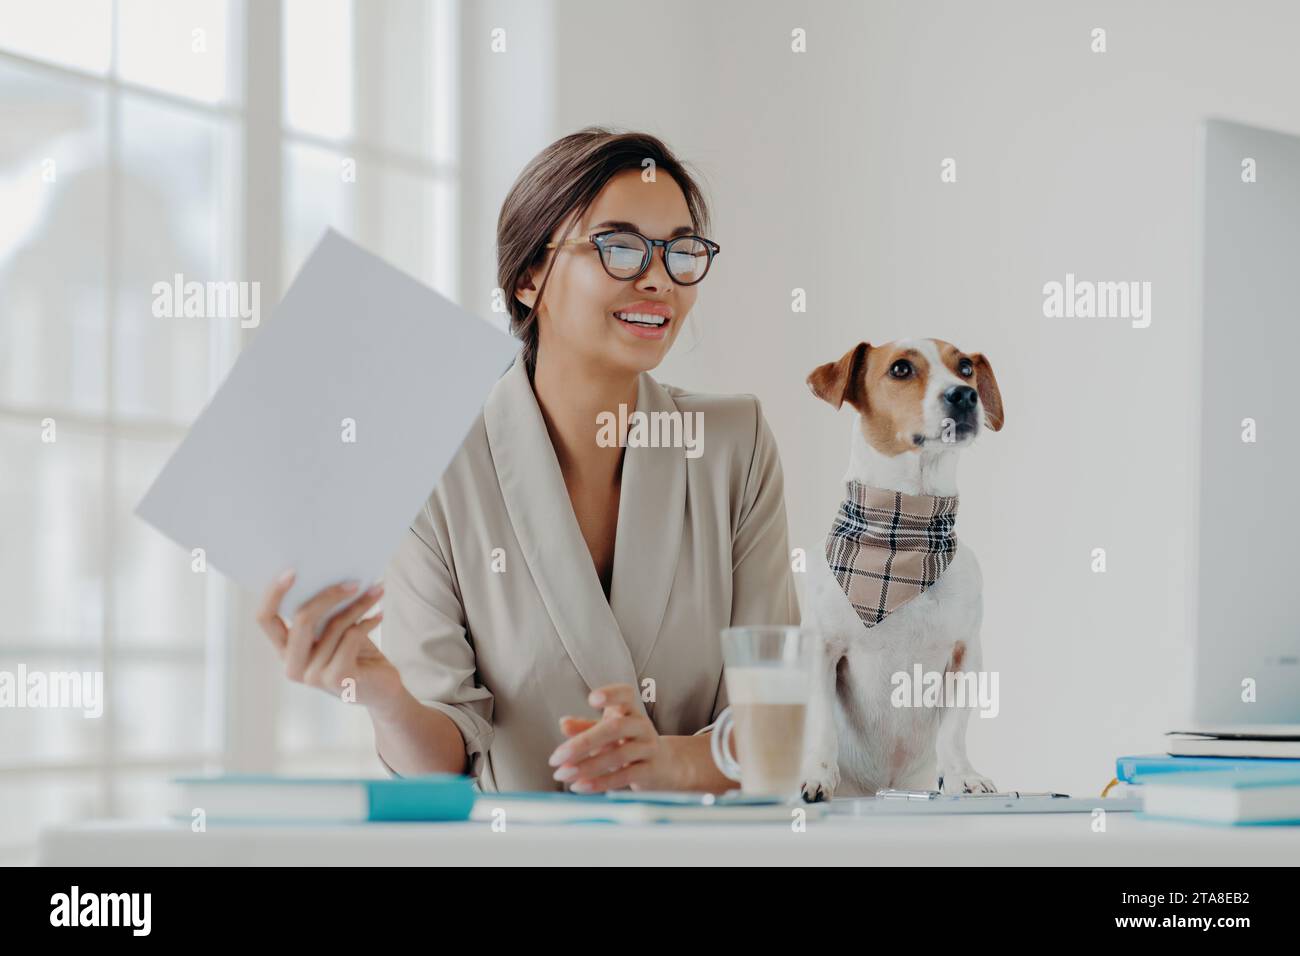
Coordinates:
130	151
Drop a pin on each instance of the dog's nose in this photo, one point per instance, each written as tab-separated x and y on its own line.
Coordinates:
962	398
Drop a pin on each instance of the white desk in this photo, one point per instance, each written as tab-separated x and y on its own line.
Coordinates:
1048	839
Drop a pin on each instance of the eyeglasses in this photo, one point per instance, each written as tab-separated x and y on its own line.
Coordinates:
626	255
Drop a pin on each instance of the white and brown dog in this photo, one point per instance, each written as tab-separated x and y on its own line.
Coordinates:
918	402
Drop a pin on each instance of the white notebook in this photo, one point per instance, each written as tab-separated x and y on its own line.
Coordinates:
547	807
333	427
1208	745
1268	795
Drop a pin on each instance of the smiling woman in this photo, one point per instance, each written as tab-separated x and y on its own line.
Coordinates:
553	616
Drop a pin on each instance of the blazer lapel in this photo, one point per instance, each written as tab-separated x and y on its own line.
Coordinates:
537	502
651	513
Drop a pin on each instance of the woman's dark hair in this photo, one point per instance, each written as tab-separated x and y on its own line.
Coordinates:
561	182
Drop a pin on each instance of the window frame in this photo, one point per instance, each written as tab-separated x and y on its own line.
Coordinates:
242	674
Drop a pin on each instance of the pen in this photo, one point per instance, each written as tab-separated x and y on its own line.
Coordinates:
1017	794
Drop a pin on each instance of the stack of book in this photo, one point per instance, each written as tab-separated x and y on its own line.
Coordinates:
1243	781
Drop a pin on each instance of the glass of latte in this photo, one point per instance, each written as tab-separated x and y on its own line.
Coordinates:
768	675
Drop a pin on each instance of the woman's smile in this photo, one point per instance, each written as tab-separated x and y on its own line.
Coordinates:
645	320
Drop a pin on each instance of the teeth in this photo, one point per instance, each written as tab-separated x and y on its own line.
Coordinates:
641	318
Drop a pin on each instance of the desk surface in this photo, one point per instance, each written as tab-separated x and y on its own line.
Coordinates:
1047	839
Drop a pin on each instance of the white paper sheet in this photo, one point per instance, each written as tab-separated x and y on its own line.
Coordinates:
265	481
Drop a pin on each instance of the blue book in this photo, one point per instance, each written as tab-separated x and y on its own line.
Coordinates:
1132	769
1267	795
267	798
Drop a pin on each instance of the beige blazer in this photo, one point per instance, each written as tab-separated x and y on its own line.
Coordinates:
493	611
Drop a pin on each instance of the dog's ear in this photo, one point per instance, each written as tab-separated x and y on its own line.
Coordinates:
990	396
840	382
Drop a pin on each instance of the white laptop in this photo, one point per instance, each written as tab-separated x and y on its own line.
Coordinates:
1245	600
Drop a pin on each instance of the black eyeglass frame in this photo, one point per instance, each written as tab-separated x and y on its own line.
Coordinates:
597	239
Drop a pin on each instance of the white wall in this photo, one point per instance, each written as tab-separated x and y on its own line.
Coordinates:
823	169
507	113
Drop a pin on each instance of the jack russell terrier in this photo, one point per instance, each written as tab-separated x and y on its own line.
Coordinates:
893	592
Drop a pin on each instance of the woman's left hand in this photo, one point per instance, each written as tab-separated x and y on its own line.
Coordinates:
621	749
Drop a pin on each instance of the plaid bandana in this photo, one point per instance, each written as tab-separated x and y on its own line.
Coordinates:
887	547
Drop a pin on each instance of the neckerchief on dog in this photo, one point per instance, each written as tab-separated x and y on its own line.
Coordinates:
886	547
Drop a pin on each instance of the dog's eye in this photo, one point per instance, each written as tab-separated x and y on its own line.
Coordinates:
901	369
966	368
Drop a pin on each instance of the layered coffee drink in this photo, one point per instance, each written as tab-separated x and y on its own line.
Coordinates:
768	705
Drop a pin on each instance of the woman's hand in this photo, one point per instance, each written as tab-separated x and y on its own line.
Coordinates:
621	749
344	649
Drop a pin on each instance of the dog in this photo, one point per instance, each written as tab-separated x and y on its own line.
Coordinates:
919	403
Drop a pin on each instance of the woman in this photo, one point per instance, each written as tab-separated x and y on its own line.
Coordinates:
553	570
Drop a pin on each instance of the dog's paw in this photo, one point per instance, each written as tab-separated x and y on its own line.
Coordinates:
820	783
966	781
815	791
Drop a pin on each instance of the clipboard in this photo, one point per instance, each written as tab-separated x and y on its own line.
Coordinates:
923	802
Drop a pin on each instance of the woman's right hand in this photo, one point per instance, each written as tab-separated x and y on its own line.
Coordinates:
344	649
